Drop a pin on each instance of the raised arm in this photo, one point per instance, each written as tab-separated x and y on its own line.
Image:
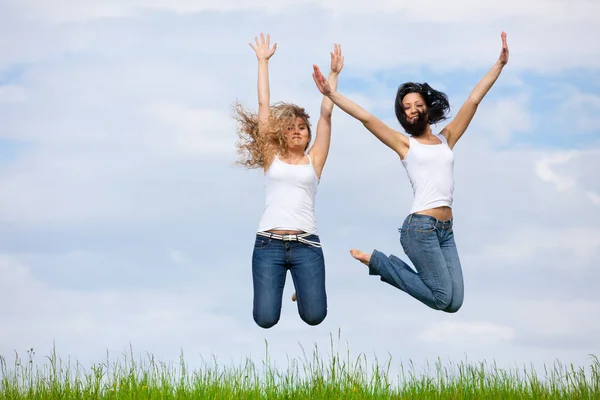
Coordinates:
455	129
391	138
320	148
263	51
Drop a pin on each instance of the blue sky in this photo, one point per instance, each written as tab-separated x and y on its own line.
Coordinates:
123	219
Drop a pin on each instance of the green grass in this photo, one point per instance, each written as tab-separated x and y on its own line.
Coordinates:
335	377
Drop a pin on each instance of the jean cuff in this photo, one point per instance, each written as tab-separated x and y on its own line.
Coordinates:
373	269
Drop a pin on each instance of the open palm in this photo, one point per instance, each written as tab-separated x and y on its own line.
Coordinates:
321	81
337	59
263	48
504	53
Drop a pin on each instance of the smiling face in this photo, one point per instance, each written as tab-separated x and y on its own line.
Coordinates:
415	114
413	104
418	105
297	135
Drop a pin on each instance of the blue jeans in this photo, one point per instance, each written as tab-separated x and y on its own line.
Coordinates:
271	260
429	243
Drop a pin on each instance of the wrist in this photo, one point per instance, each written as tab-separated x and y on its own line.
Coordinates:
331	94
264	61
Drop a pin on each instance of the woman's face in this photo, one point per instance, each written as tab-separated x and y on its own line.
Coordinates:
296	135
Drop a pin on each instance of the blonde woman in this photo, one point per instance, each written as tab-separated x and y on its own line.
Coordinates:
277	139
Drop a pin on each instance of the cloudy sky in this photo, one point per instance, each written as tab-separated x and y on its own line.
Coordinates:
123	218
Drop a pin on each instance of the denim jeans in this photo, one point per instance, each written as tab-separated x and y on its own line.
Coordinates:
271	260
429	243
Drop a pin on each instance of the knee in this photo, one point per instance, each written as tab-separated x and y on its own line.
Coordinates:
455	305
265	321
314	318
443	300
452	309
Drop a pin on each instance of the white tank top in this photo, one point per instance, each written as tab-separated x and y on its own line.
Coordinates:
430	170
290	197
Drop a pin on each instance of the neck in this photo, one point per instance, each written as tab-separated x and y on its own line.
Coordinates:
293	154
426	133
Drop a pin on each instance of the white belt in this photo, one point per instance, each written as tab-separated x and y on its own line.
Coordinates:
291	238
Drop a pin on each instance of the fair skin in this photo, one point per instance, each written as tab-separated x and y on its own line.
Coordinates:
413	102
296	136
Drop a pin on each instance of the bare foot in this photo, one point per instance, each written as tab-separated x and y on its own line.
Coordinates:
294	297
361	256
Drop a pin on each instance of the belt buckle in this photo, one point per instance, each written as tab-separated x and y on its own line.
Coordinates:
289	237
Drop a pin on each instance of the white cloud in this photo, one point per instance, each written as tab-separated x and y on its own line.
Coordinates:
569	249
571	170
457	36
144	317
196	131
429	10
504	117
594	197
544	171
547	322
473	332
179	257
12	94
578	112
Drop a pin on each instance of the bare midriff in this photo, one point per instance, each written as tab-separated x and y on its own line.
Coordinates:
442	213
284	232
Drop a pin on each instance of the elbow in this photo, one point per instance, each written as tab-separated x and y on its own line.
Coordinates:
326	114
474	100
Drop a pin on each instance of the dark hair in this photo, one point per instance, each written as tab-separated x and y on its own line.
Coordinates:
437	103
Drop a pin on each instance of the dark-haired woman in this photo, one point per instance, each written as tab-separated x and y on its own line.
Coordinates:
426	234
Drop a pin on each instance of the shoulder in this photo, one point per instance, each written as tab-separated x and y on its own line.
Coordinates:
446	138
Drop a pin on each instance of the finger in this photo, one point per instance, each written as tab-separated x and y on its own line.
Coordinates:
317	78
257	42
253	47
323	80
268	40
274	47
317	81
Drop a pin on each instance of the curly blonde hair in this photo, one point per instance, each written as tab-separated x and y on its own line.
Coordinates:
256	148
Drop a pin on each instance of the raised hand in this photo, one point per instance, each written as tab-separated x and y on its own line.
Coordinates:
503	59
321	81
263	48
337	59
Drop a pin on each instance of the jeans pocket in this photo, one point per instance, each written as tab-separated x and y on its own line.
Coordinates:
261	243
425	227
